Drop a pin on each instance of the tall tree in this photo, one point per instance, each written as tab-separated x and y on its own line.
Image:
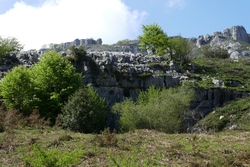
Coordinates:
154	39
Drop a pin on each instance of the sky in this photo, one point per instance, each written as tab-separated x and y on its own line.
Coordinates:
38	22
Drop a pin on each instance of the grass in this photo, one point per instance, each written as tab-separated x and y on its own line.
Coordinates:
226	70
137	148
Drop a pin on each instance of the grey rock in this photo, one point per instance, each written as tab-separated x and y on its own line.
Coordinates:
218	82
239	33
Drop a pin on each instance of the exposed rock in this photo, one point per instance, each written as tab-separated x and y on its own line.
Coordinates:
218	82
227	40
239	33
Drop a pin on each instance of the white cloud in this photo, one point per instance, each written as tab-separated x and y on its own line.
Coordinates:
176	3
59	21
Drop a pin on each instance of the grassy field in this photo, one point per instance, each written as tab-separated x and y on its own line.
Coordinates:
56	147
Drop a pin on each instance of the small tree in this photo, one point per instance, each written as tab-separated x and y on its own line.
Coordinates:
154	38
179	49
85	111
55	79
8	45
17	89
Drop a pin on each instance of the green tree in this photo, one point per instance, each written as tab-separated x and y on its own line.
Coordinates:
154	39
17	89
8	45
55	79
179	49
85	111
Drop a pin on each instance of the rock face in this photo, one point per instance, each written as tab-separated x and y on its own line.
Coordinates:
228	39
117	75
237	33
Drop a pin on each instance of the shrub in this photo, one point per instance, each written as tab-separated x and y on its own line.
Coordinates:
216	52
85	111
17	89
8	45
162	110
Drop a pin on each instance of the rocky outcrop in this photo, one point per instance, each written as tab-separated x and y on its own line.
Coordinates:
237	33
229	39
117	75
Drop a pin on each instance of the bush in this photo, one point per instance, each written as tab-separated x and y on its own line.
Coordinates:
162	110
216	52
8	45
84	112
17	89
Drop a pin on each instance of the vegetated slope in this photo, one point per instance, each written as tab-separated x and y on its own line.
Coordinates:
48	146
234	74
234	115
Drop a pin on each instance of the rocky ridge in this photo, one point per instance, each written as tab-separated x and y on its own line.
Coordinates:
235	39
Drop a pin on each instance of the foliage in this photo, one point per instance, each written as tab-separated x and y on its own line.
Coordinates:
85	111
79	53
45	86
179	49
17	89
214	52
55	79
54	158
123	42
154	39
8	45
162	110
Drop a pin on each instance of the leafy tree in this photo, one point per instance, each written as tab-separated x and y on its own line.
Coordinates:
8	45
17	89
154	38
85	111
44	86
55	79
179	49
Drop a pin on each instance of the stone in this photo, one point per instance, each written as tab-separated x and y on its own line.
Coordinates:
239	33
218	82
174	66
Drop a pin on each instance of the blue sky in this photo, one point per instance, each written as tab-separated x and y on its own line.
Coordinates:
38	22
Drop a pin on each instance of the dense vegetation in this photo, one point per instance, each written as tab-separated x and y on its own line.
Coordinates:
163	110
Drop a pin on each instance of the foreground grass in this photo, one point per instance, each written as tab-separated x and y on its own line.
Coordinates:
56	147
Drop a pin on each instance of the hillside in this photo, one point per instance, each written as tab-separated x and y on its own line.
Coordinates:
216	126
